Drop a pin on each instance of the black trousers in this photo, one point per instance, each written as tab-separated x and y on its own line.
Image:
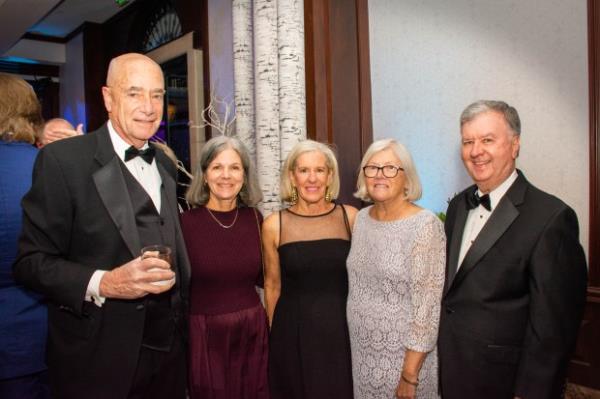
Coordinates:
161	374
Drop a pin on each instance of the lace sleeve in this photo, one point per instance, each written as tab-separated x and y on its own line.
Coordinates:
427	268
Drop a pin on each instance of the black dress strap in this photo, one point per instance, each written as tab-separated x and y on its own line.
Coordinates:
346	222
280	216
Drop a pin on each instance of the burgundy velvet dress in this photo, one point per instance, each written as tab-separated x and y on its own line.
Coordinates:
228	326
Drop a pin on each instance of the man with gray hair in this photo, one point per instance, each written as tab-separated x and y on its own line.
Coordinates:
116	320
516	273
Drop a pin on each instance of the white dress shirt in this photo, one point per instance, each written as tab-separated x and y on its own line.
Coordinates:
148	177
146	174
478	217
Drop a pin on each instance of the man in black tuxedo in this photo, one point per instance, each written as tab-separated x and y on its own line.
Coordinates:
116	321
516	274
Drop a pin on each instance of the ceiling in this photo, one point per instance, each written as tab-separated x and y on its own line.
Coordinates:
55	18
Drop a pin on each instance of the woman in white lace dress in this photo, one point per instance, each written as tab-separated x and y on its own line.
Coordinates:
396	275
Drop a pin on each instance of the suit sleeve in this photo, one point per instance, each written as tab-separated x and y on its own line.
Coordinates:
557	285
449	222
41	263
448	228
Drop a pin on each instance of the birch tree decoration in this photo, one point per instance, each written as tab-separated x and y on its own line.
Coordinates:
268	60
292	92
266	100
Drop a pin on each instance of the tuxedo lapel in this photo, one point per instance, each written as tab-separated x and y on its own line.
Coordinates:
167	180
113	192
456	239
500	220
170	187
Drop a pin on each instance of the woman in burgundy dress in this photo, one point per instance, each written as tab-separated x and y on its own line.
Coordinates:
228	325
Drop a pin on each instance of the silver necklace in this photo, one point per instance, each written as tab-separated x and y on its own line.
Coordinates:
237	210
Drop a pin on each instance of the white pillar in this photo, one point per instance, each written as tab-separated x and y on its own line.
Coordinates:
270	94
266	97
292	93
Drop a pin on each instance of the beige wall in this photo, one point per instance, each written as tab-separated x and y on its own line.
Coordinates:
431	58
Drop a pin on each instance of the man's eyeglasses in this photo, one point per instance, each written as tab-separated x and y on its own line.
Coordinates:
388	171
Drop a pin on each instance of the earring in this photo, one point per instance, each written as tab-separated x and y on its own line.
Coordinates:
294	196
328	195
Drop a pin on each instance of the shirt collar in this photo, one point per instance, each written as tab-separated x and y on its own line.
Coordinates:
497	194
119	145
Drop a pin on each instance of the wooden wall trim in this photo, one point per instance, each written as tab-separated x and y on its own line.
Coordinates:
318	70
594	108
594	295
338	82
584	367
364	65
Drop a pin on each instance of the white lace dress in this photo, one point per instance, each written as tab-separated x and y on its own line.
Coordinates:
396	275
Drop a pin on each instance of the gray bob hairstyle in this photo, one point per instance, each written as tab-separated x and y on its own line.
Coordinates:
479	107
413	184
199	193
303	147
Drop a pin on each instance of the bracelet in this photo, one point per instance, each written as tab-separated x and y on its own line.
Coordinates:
413	383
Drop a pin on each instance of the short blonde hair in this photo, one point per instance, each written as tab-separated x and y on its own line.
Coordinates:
413	183
198	193
20	110
303	147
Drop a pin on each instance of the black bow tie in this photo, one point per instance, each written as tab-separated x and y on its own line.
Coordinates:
474	200
147	154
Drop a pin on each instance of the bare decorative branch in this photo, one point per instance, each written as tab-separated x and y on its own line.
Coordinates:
211	116
160	143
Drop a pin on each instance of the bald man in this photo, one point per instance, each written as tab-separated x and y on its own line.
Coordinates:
116	321
57	129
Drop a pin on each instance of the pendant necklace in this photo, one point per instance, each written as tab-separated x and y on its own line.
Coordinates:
219	222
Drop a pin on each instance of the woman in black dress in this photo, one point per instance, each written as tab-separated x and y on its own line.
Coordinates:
306	283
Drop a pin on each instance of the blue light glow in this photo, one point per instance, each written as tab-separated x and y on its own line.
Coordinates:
48	29
21	60
76	117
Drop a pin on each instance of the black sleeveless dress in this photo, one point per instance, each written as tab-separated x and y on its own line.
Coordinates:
309	347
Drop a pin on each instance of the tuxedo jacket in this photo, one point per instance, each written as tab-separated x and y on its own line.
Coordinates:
511	312
78	218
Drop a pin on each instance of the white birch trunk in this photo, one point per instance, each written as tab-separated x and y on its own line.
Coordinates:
243	71
266	81
270	95
292	95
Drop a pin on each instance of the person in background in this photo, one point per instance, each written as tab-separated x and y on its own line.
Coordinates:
516	274
306	284
57	129
116	322
228	325
23	314
396	275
